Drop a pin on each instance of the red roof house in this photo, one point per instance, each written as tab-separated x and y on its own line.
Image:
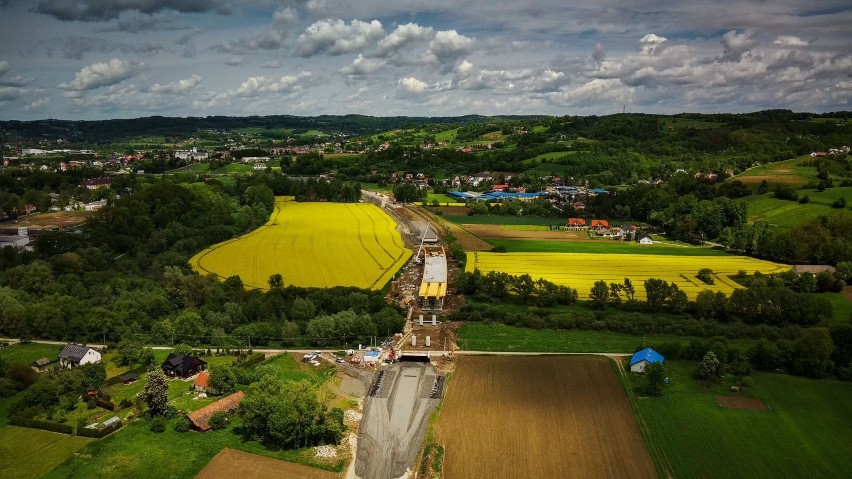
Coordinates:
576	222
599	224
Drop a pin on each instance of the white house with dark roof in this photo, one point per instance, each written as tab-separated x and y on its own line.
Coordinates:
73	355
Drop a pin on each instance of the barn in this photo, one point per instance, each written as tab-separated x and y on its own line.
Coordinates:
643	358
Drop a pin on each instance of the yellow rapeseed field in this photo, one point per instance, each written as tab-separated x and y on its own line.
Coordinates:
582	270
312	245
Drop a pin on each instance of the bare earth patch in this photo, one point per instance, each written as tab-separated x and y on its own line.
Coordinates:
498	232
231	463
734	402
52	220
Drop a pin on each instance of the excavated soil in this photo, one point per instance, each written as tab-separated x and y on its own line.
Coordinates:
539	417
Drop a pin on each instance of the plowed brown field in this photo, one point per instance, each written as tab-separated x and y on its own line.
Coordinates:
231	463
539	417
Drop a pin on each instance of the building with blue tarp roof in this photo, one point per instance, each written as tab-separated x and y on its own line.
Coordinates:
643	358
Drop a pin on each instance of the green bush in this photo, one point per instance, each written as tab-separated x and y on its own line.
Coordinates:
158	424
219	420
182	424
705	275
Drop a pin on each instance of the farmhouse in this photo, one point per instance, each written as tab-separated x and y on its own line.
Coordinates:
576	222
643	358
644	239
40	365
201	419
182	366
73	355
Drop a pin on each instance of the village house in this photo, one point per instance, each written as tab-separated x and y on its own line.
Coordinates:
95	183
182	366
643	358
74	355
576	223
600	224
644	239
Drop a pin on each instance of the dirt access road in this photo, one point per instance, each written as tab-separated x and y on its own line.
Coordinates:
394	421
543	417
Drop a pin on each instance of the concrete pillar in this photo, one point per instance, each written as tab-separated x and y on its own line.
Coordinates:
421	320
413	340
428	341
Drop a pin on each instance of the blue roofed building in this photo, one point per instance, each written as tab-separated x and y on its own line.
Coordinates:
643	358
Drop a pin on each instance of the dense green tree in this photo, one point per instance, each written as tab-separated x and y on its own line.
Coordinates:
813	352
222	379
156	392
599	295
654	377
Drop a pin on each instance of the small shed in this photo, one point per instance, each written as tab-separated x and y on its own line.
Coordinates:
40	365
129	378
202	382
643	358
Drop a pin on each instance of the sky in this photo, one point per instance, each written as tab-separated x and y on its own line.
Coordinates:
100	59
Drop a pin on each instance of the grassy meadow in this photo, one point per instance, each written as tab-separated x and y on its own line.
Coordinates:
805	434
787	213
30	453
500	337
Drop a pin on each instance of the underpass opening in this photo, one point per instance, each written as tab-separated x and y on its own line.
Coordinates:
414	358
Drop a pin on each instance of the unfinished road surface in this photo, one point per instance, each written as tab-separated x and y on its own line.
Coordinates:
539	417
396	411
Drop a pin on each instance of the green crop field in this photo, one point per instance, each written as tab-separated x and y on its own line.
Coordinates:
791	213
446	135
582	270
30	453
499	337
806	434
603	246
312	245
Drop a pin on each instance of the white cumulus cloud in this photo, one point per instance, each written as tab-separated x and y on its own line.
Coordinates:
255	86
180	87
101	74
335	37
